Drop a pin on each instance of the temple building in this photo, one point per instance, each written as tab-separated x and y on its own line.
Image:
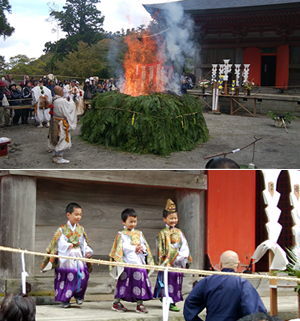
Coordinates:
263	33
218	210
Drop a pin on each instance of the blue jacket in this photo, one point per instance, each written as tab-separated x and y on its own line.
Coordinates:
51	88
15	97
184	88
225	297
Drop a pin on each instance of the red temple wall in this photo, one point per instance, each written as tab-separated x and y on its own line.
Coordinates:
230	214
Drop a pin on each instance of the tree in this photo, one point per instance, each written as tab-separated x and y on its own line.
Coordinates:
79	16
19	60
83	62
3	64
5	28
21	64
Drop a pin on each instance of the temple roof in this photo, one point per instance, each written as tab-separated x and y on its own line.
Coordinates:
224	6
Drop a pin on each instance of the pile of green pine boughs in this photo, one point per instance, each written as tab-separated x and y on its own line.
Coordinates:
157	123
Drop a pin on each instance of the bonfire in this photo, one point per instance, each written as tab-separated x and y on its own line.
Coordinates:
145	117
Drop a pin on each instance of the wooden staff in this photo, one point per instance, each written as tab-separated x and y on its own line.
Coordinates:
233	151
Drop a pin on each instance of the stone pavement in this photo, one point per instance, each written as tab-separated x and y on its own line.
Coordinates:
101	310
95	310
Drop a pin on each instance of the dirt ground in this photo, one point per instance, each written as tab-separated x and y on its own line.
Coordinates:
276	149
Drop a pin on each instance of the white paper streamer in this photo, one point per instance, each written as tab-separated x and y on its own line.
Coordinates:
166	300
279	262
24	274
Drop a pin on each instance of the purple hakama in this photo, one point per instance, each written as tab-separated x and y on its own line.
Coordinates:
68	283
174	286
133	284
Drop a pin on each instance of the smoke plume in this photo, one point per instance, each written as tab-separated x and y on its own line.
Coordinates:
178	40
178	45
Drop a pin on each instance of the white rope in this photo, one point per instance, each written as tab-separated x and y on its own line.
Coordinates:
156	267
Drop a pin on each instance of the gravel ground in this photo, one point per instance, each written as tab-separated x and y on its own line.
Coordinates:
276	149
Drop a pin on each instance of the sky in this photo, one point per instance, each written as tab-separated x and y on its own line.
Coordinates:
32	30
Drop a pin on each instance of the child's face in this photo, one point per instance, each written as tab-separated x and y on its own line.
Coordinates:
131	222
171	219
75	216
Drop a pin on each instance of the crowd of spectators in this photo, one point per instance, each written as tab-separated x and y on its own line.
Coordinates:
13	93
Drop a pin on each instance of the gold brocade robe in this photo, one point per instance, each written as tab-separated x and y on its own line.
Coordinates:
73	238
166	252
116	253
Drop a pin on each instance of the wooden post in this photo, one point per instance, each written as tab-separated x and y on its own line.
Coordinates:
273	288
226	88
191	209
298	294
17	221
215	98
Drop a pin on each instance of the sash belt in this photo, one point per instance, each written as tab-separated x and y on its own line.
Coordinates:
66	127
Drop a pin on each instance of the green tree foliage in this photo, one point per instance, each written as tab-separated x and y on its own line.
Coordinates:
100	59
157	123
5	28
81	62
22	65
79	16
61	48
111	53
3	65
81	20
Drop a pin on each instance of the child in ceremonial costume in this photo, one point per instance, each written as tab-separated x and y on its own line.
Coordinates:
71	276
173	250
130	246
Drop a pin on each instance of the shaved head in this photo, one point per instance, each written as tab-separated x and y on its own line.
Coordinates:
230	260
58	91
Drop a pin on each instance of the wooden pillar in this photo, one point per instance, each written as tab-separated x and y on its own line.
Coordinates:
298	296
191	211
17	220
226	88
239	55
273	288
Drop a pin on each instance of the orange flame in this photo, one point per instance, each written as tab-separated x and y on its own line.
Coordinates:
143	65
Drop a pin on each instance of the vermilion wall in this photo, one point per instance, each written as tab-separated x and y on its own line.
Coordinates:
282	67
252	56
230	220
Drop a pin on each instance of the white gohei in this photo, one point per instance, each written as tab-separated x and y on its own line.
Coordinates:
295	202
237	74
246	72
227	68
214	72
271	198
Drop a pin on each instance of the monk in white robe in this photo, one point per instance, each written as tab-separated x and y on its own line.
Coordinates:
40	94
80	107
63	121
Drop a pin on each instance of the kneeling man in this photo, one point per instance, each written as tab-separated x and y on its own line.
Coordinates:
63	121
225	297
